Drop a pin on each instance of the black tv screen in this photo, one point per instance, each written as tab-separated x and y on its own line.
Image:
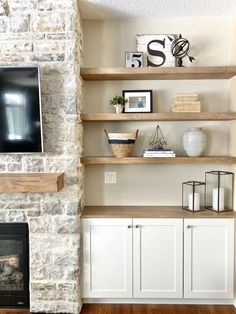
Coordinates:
20	110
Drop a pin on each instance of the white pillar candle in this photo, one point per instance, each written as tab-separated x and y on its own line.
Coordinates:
221	199
196	201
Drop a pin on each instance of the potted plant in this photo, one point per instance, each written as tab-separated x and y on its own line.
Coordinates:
118	102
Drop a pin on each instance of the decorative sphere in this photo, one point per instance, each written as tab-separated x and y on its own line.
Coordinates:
180	47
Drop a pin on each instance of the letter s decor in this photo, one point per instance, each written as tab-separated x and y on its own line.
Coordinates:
156	49
157	53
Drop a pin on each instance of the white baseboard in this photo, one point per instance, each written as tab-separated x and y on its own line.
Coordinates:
161	301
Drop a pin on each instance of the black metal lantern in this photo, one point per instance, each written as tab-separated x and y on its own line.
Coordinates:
219	190
193	195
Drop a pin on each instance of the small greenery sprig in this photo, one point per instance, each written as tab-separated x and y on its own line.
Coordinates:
118	100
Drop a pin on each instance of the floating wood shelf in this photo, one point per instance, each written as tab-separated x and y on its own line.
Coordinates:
98	160
159	73
31	182
168	116
149	212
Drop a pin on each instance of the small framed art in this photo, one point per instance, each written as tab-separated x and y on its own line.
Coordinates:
138	101
133	59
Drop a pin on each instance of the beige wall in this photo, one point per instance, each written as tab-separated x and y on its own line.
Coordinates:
105	43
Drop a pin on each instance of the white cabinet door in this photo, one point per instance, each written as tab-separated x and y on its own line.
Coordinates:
208	258
158	258
107	258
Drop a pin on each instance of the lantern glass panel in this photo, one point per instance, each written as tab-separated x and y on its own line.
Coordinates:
193	195
219	190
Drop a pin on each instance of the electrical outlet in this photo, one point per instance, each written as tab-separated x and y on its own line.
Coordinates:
110	177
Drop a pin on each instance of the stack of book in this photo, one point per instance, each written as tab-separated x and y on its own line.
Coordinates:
158	153
186	102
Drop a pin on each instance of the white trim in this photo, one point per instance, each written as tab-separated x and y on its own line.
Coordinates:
161	301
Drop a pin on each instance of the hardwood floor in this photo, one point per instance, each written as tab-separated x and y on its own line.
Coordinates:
14	311
156	309
144	309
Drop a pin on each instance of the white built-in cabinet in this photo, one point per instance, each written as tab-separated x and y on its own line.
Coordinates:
143	258
157	258
107	254
132	258
208	258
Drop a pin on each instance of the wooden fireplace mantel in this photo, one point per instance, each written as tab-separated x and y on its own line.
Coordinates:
39	182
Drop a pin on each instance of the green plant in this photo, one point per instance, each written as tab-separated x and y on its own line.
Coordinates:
118	100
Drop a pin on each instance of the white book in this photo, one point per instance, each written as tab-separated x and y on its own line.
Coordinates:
158	151
158	155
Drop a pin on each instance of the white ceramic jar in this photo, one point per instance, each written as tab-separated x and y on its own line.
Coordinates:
194	142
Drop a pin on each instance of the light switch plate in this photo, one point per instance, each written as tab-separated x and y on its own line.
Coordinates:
110	177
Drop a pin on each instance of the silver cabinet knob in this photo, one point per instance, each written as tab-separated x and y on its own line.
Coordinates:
129	226
188	227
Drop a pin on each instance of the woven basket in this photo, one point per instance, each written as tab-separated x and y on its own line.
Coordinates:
122	136
121	147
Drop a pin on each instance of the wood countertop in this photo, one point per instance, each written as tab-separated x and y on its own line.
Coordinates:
149	212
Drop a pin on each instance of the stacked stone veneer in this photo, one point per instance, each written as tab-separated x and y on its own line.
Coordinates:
48	33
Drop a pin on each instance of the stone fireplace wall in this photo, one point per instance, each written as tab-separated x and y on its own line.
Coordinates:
48	33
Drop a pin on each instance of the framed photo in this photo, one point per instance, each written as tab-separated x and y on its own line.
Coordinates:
156	49
133	59
138	100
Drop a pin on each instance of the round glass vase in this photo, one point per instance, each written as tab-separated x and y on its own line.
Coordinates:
194	142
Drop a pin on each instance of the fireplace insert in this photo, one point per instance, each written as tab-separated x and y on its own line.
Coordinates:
14	264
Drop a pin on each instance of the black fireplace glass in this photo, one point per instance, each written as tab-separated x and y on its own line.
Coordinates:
14	265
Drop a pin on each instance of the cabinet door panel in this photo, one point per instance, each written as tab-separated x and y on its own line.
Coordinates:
107	255
158	249
208	258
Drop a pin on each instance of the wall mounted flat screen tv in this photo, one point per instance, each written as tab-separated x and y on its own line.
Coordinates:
20	110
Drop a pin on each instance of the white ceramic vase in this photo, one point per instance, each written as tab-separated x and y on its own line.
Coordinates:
194	142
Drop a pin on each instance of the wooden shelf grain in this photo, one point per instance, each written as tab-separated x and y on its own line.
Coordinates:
31	182
150	212
105	160
161	116
159	73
